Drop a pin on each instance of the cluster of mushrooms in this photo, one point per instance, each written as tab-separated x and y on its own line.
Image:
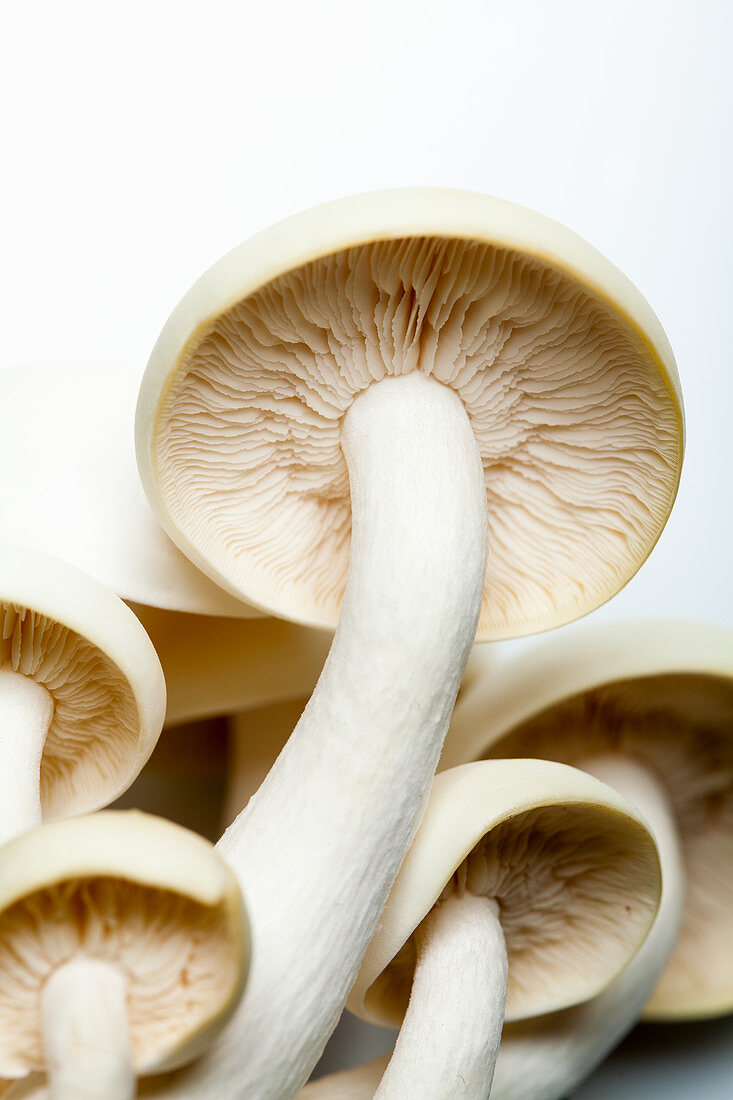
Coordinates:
375	434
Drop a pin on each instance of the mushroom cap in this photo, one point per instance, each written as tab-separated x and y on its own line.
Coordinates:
563	369
573	868
69	633
79	497
662	693
218	666
133	890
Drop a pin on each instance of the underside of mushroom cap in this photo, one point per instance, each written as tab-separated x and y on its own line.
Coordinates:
77	639
662	694
573	870
561	365
135	891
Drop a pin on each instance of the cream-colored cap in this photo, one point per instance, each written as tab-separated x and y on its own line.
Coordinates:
132	890
572	867
662	693
217	666
79	497
69	633
562	367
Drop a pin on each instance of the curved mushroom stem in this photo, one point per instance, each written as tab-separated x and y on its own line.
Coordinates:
26	710
450	1035
549	1057
345	796
85	1032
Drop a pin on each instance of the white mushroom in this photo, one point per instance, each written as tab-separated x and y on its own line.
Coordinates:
517	865
123	950
649	707
548	1057
82	694
354	390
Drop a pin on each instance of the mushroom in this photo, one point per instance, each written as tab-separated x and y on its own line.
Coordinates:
79	497
548	1057
82	694
354	390
649	706
520	865
124	946
218	666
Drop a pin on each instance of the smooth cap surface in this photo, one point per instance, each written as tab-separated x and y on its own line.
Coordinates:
70	487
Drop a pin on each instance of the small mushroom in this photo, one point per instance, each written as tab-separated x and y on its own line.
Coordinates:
527	883
356	390
649	707
548	1057
80	498
82	694
124	947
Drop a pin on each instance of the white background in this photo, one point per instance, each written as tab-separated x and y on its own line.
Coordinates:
140	141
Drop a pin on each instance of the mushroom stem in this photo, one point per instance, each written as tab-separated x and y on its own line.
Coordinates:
549	1057
26	710
345	796
85	1032
450	1035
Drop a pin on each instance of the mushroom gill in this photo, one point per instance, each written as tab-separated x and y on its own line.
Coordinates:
577	428
93	703
569	897
176	954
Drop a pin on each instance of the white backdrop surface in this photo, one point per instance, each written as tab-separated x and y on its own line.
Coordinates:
139	142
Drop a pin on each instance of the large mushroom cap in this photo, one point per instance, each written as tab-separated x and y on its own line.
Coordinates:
662	693
562	367
574	871
132	890
79	496
76	638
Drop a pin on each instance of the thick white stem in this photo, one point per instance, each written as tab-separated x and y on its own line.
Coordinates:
26	710
318	847
450	1035
548	1058
85	1032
